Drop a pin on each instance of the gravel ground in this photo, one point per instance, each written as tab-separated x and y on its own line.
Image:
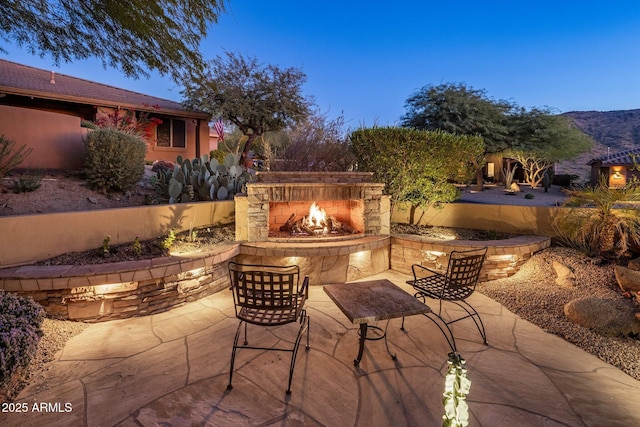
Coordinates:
533	295
495	194
56	335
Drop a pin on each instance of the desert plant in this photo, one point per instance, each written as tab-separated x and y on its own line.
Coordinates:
168	241
508	176
137	246
114	160
28	183
10	157
20	322
599	220
105	245
529	196
201	179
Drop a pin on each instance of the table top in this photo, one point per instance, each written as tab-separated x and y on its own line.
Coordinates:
364	302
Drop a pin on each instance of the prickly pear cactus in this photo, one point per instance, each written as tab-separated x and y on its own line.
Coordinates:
175	190
201	179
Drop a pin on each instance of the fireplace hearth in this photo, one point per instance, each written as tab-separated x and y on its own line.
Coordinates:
312	205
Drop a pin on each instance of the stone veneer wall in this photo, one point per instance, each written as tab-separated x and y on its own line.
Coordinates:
503	259
324	262
252	210
118	290
112	291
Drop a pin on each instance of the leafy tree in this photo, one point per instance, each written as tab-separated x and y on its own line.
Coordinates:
456	108
254	97
317	144
462	110
541	138
416	166
503	125
134	35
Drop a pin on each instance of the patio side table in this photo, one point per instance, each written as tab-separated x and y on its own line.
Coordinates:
371	301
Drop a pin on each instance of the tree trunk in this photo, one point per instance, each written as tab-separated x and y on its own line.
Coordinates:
247	147
479	180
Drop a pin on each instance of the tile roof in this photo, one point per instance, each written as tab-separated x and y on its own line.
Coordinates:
619	158
21	79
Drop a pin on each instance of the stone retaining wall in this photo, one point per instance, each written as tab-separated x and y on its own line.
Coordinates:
101	292
504	257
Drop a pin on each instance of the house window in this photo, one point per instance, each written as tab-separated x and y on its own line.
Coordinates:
172	133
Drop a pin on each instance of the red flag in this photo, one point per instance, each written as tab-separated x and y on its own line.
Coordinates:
219	127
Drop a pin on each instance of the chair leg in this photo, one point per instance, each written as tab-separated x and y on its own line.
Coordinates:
245	334
308	331
444	328
473	314
233	352
304	326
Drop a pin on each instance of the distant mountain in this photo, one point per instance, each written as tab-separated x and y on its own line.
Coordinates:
612	131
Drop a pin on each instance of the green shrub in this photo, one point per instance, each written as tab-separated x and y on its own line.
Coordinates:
9	156
115	160
20	333
28	183
529	196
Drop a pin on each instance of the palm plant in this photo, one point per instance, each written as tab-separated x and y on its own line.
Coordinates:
601	220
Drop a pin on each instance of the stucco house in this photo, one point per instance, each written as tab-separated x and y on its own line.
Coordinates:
45	111
616	168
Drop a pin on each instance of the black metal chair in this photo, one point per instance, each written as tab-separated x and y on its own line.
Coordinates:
266	295
455	286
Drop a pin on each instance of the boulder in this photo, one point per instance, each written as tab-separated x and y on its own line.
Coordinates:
628	279
515	188
634	264
564	275
604	316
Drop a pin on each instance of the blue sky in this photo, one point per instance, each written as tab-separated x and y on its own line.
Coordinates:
364	59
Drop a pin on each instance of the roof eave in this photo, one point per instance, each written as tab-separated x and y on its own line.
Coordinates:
103	103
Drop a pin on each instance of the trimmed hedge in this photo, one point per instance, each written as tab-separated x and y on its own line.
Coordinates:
20	332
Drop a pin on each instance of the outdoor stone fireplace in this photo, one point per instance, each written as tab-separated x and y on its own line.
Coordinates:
350	199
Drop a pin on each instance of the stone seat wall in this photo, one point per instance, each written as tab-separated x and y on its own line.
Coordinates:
101	292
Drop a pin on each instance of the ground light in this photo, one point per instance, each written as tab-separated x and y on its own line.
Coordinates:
456	388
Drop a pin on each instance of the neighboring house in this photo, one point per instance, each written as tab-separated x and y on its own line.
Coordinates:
44	110
617	168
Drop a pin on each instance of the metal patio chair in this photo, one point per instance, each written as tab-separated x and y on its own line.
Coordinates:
455	286
269	296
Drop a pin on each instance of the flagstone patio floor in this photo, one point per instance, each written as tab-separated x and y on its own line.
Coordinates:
172	369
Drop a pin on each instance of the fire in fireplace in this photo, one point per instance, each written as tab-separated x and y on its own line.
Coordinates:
316	223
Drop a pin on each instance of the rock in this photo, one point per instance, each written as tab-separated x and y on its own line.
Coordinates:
93	200
634	264
564	275
628	279
515	188
604	316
